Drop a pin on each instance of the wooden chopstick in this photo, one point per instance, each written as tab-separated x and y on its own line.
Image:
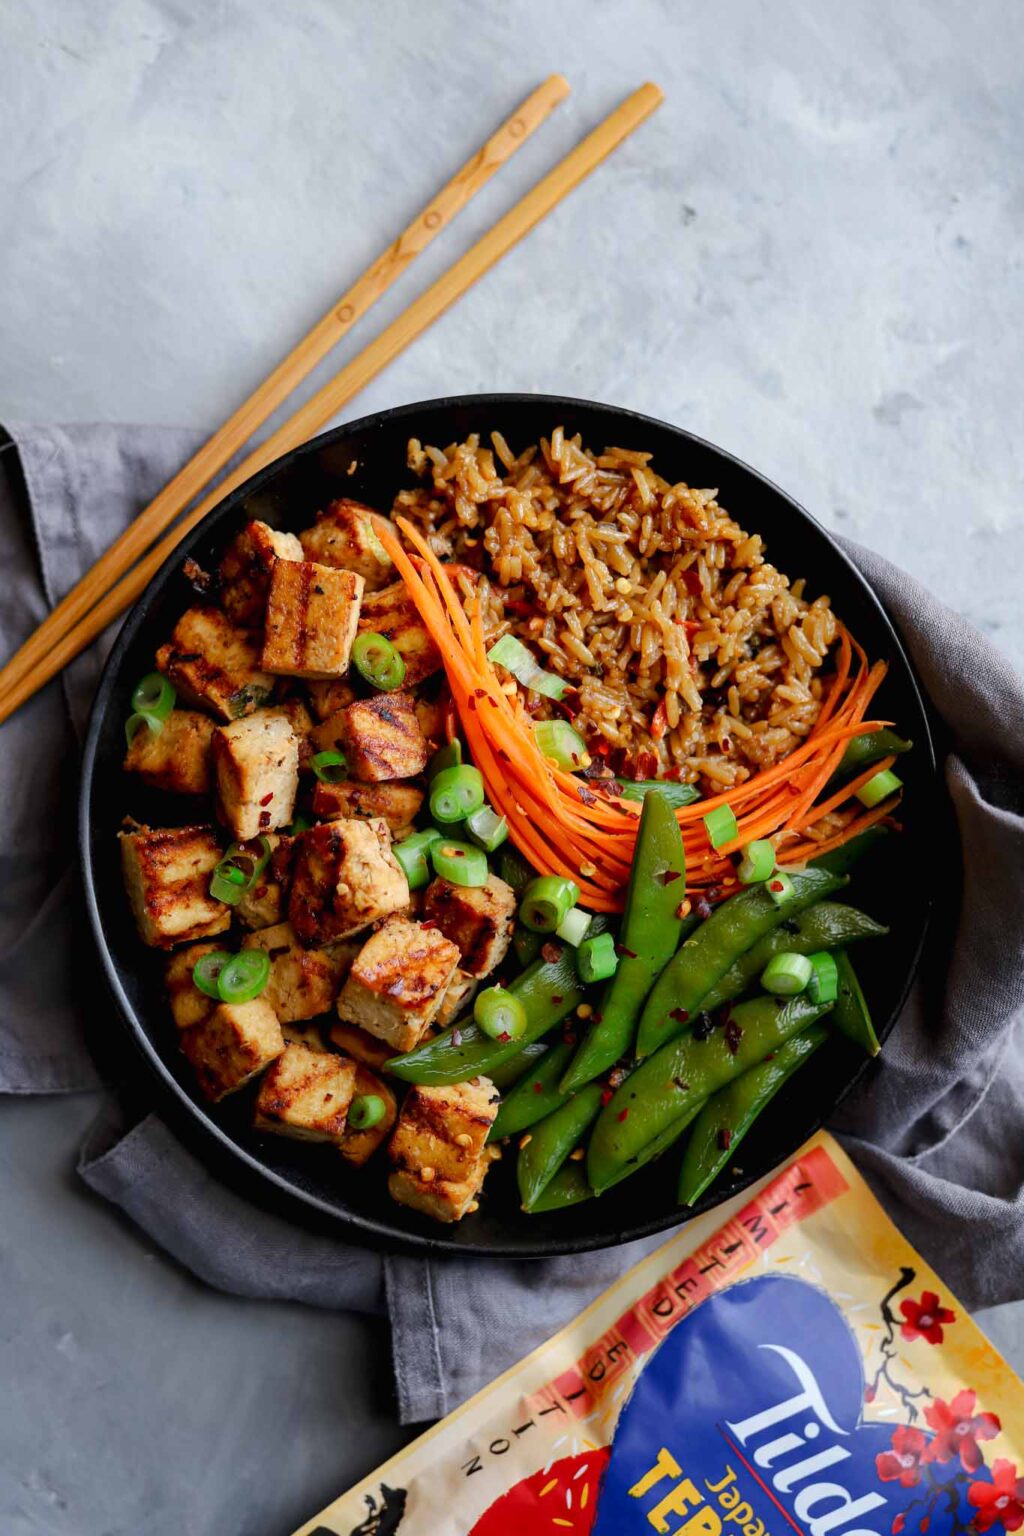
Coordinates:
309	352
335	394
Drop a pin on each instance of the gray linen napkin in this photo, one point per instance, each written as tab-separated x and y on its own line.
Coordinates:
936	1129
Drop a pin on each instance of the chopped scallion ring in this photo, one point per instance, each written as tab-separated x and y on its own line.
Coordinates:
721	825
379	661
459	863
779	887
154	696
574	925
411	854
596	959
823	986
787	974
239	870
141	721
499	1014
879	788
546	901
365	1112
448	756
329	767
487	828
757	863
206	971
456	793
513	655
244	976
558	739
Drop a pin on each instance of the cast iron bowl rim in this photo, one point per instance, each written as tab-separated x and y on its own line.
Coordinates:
198	1114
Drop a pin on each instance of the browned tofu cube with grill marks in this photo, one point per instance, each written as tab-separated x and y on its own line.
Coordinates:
479	919
256	769
359	1044
344	535
397	804
344	877
383	739
443	1129
246	567
232	1045
397	982
189	1006
357	1147
303	982
167	876
306	1095
177	757
312	613
214	665
329	734
446	1200
328	697
266	901
393	614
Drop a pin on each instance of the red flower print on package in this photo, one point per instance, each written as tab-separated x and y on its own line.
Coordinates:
958	1429
903	1463
924	1319
1000	1502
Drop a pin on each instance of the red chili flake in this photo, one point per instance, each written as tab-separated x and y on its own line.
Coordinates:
668	875
725	1138
776	885
576	758
538	1087
428	922
659	721
623	1114
569	1038
770	1056
492	700
595	1017
606	1095
681	1015
630	954
613	788
702	907
480	693
646	765
457	853
602	749
267	798
264	820
726	744
471	701
504	1036
733	1035
550	952
503	755
260	892
586	795
690	579
556	1000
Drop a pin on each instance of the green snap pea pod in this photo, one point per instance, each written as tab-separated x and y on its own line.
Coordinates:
568	1187
549	991
549	1143
535	1095
840	861
728	1115
677	795
850	1010
648	938
826	925
686	1070
509	1072
862	751
703	959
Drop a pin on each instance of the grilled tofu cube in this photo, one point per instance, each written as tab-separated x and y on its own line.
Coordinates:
215	666
397	804
189	1006
175	758
457	998
167	876
295	712
265	903
397	982
231	1046
245	571
443	1130
393	614
446	1200
312	613
478	918
357	1147
256	769
303	982
344	536
359	1044
344	878
328	697
302	1033
383	739
329	734
306	1094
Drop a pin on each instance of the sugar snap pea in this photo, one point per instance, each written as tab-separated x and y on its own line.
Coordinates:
685	1071
548	990
677	795
841	860
550	1142
703	959
535	1095
728	1115
508	1073
826	925
650	932
851	1014
862	751
568	1187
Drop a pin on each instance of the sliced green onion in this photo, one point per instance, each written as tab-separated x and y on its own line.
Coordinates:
546	901
499	1014
459	863
455	793
329	767
757	863
411	854
244	976
238	871
573	927
379	661
596	959
786	974
448	756
721	825
365	1111
513	655
879	788
677	795
487	828
526	945
514	870
135	723
823	986
779	887
206	971
558	739
154	696
227	883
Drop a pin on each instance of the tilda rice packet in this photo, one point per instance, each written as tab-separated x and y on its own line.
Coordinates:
784	1364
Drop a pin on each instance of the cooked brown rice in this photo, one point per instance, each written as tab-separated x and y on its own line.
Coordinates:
647	597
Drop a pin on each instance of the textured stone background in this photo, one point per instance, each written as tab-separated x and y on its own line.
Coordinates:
811	256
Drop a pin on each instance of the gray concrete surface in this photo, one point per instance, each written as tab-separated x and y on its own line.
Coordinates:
811	256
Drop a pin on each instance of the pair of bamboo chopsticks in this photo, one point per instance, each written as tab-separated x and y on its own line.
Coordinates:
122	573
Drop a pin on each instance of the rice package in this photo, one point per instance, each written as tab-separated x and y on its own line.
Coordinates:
784	1364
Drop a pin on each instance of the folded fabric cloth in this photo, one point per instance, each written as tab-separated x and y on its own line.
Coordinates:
935	1128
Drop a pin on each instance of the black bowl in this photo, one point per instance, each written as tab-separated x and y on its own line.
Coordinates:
367	460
